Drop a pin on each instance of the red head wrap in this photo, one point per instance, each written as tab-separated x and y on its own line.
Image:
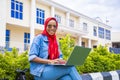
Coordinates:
52	45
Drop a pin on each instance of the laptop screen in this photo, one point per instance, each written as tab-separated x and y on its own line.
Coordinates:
78	55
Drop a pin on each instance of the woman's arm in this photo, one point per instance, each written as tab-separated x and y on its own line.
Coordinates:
40	60
45	61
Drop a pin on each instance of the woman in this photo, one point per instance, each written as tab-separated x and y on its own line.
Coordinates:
45	51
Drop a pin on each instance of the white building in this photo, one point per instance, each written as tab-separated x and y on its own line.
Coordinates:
115	39
21	20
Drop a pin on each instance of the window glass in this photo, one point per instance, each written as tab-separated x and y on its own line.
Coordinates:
95	31
85	26
7	38
58	18
108	34
26	40
16	9
40	16
101	32
71	23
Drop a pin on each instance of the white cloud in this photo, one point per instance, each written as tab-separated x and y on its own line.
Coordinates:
109	9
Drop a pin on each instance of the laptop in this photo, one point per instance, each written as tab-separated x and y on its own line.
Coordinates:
77	57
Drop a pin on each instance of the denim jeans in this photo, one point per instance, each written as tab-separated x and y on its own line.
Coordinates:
59	73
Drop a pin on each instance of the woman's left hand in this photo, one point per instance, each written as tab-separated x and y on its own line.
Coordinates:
61	61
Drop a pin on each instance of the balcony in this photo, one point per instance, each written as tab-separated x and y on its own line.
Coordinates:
76	30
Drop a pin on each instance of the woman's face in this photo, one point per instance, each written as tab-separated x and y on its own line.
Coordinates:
51	27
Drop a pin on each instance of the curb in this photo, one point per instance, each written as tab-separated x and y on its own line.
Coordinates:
111	75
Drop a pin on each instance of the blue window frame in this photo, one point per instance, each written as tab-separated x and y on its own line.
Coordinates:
26	37
7	38
108	34
101	32
26	40
40	15
16	9
95	31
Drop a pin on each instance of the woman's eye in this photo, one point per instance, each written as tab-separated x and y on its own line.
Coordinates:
50	26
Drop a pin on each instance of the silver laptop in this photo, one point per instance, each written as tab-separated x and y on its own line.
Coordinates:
78	56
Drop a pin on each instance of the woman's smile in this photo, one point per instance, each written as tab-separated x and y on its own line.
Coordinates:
51	27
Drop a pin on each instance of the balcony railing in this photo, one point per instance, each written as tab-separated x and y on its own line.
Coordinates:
77	29
115	50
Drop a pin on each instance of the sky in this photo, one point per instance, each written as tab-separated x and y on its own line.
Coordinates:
103	9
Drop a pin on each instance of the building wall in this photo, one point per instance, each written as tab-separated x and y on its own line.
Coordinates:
115	37
90	35
17	36
19	27
72	17
3	7
44	7
63	16
116	40
26	14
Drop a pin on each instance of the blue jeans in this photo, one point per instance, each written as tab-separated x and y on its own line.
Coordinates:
59	73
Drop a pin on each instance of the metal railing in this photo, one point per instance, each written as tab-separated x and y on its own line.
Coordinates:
114	50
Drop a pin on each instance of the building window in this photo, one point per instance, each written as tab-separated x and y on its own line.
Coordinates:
40	16
95	31
108	34
26	40
71	23
58	18
101	32
16	9
7	39
85	26
83	44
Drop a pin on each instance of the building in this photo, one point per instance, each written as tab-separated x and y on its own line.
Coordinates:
115	43
21	20
115	39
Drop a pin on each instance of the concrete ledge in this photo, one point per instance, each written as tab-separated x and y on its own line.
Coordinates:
112	75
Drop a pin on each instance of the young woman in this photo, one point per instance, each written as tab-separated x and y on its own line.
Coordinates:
45	51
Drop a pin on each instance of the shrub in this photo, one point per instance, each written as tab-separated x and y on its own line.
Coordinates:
99	60
11	61
66	45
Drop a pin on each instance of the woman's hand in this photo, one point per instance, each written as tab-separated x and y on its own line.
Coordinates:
61	61
57	61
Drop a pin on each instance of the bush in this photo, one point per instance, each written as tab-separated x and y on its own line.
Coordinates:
11	61
100	60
